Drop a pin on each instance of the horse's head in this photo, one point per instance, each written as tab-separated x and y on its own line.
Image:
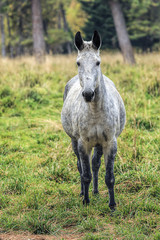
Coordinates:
88	61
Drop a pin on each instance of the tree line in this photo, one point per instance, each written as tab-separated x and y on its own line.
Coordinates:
48	26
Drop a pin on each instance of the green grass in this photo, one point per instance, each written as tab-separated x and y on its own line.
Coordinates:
39	180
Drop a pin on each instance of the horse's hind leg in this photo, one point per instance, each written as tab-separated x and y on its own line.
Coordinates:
75	149
96	162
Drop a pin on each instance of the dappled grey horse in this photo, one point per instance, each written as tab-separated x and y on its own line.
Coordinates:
93	115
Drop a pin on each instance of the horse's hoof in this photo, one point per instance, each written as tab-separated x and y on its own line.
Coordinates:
95	192
81	194
86	201
112	207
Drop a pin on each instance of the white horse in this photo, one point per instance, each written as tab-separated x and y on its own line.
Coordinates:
93	115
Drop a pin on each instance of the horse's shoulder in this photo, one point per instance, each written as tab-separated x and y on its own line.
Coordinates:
68	86
108	81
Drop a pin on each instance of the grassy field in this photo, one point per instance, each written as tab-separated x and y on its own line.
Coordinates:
39	180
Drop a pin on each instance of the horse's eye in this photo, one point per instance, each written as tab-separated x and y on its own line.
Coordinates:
97	63
78	63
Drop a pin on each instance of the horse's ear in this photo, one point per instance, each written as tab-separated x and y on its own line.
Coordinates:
96	40
79	41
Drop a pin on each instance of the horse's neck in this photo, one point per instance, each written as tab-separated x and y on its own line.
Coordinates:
100	92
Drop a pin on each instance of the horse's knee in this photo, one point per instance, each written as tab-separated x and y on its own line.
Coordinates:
75	147
96	160
79	166
110	180
86	178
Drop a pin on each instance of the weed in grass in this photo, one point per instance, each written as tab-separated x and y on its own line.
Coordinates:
39	222
7	102
91	236
4	201
5	92
141	123
90	225
154	89
155	191
156	236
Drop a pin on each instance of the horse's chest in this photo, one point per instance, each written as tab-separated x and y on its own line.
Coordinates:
92	130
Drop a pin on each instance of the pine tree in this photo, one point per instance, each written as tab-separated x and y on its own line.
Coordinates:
143	18
100	19
58	35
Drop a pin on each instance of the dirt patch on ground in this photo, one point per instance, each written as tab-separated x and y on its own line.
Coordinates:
28	236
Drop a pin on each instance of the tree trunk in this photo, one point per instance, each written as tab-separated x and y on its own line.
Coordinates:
3	50
20	31
45	27
10	37
65	26
59	20
122	33
38	36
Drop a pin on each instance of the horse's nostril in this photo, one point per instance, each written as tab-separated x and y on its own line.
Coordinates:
92	94
88	95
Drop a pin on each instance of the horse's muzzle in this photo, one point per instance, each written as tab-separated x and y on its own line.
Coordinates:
88	95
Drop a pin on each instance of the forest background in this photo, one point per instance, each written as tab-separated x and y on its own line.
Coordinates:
61	19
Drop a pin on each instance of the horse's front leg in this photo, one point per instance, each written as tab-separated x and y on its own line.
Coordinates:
86	172
109	156
75	149
96	162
